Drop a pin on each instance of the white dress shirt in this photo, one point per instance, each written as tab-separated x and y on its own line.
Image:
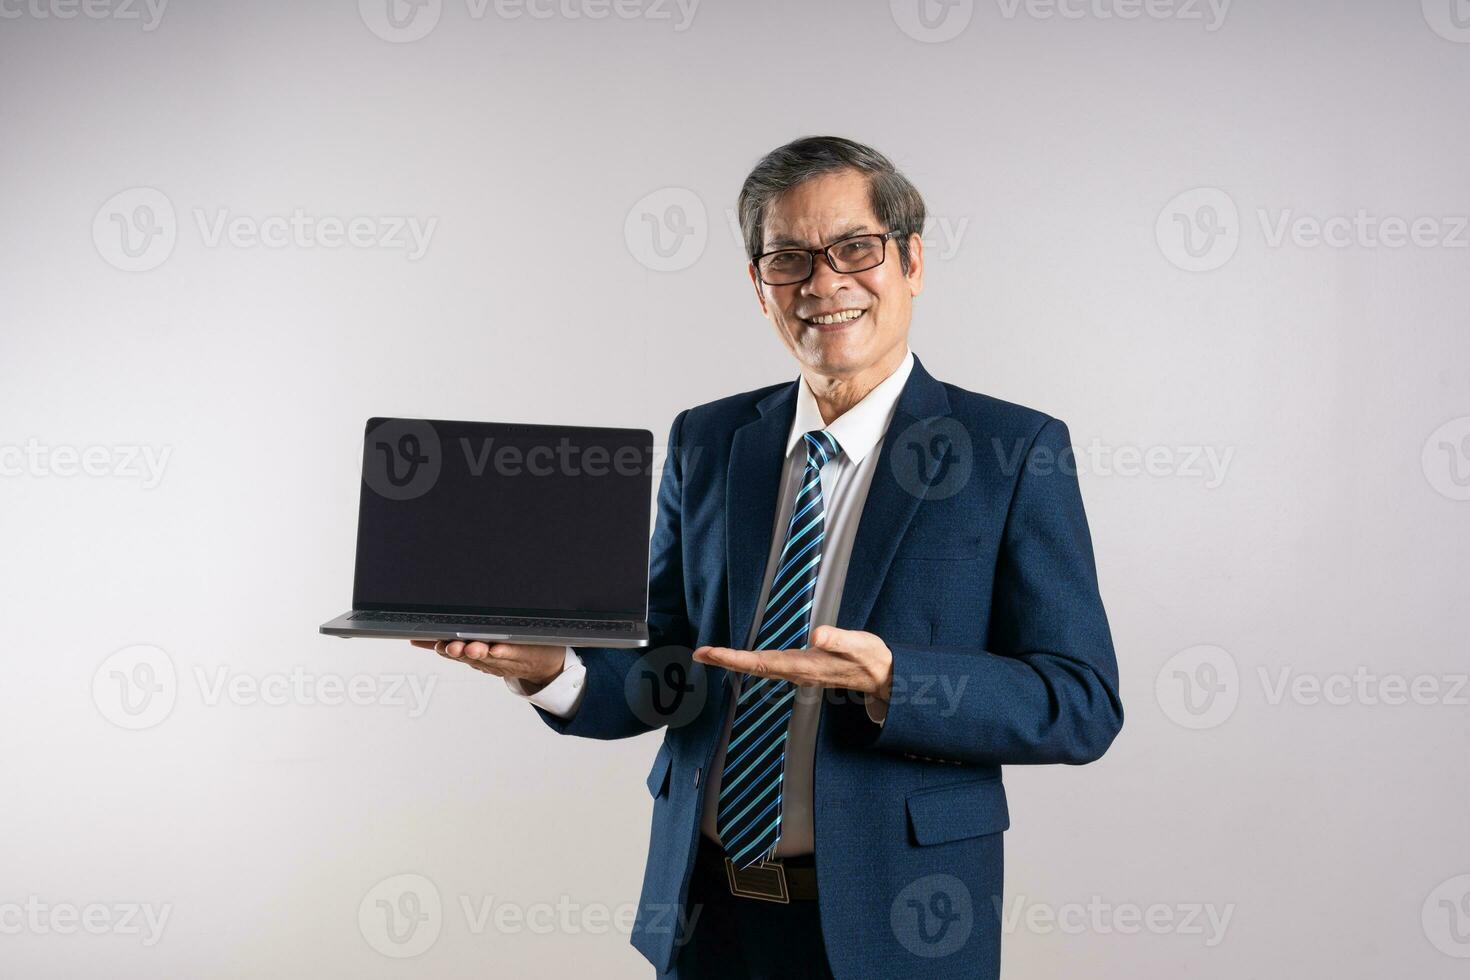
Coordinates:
845	481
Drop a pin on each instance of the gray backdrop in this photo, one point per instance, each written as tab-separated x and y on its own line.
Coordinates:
1226	244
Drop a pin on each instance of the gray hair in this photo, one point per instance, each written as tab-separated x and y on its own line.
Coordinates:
894	200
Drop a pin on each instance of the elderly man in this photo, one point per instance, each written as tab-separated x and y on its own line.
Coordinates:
868	591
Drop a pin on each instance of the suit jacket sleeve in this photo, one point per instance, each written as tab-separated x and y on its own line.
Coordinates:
612	708
1043	687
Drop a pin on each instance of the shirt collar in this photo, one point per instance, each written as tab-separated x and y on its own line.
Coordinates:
858	429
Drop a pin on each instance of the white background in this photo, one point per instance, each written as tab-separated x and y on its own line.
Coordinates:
1056	146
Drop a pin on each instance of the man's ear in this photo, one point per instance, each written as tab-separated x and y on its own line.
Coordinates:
915	275
760	297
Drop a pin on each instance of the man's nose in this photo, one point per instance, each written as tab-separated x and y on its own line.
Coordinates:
824	280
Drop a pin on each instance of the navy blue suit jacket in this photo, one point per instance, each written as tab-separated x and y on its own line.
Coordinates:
973	562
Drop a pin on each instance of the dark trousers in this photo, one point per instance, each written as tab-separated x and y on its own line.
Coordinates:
736	938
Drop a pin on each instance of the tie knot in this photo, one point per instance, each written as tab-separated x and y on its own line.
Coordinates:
820	447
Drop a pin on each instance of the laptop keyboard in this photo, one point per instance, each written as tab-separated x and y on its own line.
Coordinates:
513	622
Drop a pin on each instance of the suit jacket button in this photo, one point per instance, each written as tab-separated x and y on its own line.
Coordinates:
696	776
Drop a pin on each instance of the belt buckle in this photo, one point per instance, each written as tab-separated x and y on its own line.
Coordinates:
765	881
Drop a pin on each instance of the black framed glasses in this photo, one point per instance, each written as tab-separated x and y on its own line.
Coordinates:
856	253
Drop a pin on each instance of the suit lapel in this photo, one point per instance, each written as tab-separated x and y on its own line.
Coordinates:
890	505
752	484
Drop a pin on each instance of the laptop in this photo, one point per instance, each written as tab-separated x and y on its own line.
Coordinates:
502	533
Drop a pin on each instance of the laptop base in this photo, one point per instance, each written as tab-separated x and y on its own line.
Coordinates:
404	627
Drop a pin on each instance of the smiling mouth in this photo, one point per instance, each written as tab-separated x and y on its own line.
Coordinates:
833	321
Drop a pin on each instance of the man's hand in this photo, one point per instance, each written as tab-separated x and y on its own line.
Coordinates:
534	665
850	659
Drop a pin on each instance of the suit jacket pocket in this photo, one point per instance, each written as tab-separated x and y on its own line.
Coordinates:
942	530
948	549
959	810
658	776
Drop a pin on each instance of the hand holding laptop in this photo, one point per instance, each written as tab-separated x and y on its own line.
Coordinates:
534	665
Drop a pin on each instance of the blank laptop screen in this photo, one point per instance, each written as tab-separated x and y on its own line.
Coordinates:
503	519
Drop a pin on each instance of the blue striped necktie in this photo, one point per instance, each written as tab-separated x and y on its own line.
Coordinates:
749	817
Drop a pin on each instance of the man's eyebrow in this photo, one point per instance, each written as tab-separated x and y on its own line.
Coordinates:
784	242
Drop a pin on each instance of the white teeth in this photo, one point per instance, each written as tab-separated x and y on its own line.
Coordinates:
842	317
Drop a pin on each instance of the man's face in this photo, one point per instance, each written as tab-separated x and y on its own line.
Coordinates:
816	213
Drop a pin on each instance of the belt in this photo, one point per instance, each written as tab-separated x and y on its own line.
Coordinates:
771	880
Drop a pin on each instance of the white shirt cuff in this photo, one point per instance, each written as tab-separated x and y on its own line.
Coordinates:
563	696
877	709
